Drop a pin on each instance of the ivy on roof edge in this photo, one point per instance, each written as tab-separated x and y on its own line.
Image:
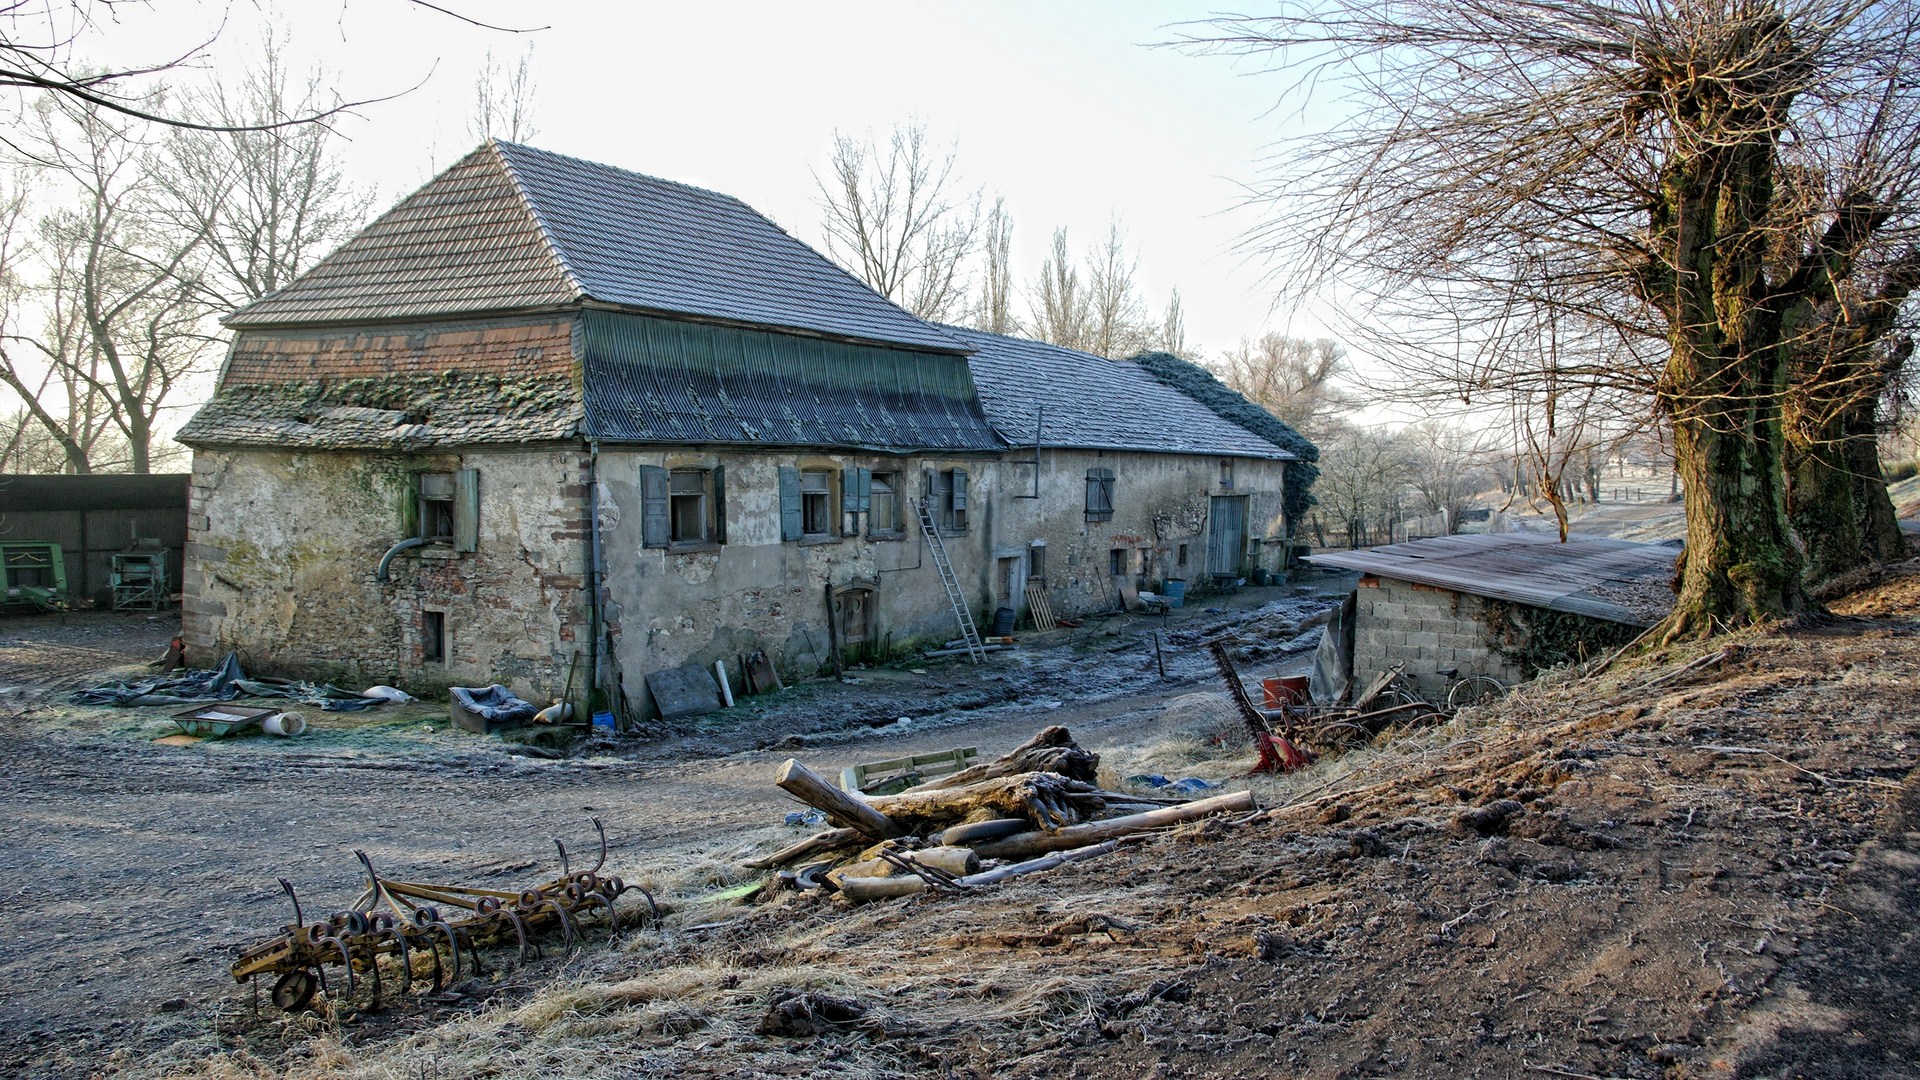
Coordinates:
1200	384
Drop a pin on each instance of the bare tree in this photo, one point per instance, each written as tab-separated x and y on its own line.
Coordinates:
894	216
1625	159
1172	336
42	48
504	100
1362	487
269	200
1062	311
1449	469
1295	379
1117	324
122	295
995	311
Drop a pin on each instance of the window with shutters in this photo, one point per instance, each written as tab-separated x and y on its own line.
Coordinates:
816	504
883	506
1099	494
445	507
949	495
683	509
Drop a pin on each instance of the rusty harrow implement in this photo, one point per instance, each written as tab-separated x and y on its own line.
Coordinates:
411	925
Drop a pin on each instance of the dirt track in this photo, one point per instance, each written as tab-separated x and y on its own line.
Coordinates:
137	870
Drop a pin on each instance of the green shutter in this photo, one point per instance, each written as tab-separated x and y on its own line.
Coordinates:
654	528
466	510
719	504
410	506
790	524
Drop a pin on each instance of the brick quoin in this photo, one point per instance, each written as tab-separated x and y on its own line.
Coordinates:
509	350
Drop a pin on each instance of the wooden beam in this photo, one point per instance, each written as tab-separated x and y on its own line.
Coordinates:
841	808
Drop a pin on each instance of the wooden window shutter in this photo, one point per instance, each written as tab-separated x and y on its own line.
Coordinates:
466	510
959	489
719	476
856	490
654	531
410	506
790	518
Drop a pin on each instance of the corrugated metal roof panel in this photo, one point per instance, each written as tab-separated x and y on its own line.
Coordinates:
1617	580
654	380
1094	403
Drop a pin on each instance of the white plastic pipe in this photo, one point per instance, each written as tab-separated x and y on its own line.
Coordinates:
726	692
284	724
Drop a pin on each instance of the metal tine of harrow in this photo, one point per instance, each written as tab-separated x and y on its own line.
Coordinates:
932	875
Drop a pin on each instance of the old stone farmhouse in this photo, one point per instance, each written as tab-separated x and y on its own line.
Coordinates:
1505	605
547	416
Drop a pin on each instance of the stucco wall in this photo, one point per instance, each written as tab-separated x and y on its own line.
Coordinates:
283	546
1426	629
757	591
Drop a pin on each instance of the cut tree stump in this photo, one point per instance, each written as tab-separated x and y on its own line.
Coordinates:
1051	751
1049	800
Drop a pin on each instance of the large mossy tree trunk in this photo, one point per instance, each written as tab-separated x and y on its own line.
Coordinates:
1726	369
1836	500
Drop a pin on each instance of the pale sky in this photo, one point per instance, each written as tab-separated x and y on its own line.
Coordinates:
1064	108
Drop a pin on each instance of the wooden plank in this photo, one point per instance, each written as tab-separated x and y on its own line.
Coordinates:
841	808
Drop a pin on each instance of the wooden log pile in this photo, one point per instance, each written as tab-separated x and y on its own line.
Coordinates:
1032	809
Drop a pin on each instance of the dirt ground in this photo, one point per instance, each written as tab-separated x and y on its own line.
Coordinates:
1704	862
135	870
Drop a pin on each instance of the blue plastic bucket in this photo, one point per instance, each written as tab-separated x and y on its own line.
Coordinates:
603	721
1175	590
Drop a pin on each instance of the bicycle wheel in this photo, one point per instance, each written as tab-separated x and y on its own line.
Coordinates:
1474	690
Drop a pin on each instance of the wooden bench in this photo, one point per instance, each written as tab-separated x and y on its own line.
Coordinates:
894	775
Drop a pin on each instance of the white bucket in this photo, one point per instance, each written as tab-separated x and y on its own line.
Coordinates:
285	724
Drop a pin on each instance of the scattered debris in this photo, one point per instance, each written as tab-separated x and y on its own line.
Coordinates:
488	709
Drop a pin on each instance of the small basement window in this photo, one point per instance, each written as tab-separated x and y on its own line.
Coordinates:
816	503
433	637
1117	561
1226	474
1183	554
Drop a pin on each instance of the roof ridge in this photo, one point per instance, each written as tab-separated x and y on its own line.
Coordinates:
494	145
957	328
590	163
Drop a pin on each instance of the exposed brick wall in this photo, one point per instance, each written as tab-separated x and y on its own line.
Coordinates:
1426	629
509	348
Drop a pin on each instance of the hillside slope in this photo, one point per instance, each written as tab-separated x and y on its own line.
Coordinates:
1702	863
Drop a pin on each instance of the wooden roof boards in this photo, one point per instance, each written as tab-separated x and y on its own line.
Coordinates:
1617	580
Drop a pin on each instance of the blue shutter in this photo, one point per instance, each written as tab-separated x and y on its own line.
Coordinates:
654	530
790	525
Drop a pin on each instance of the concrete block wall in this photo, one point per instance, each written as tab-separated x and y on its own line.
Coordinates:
1425	629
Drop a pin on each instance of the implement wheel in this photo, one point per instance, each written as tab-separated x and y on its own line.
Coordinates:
295	989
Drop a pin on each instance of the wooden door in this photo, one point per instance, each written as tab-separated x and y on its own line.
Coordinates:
1227	535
